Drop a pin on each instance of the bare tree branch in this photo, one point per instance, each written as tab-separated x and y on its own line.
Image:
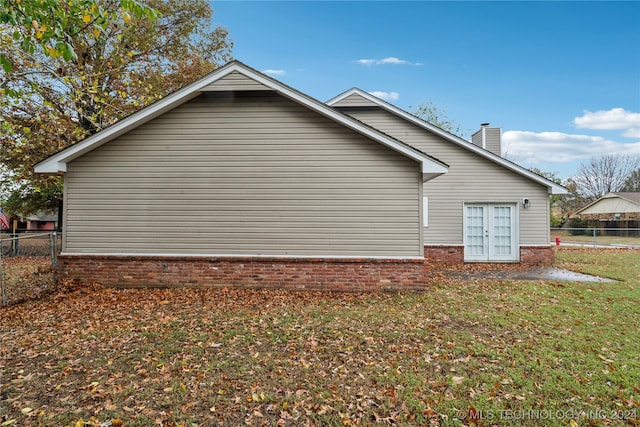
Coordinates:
606	174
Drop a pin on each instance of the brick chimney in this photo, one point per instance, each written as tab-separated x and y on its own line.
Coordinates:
488	138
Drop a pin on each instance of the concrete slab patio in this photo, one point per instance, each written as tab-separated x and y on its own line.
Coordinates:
534	273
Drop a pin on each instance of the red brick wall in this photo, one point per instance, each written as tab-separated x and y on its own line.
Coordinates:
542	255
252	272
455	254
447	254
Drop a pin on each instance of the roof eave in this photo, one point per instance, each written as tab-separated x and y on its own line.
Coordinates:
431	170
606	196
552	187
57	162
426	161
50	167
557	189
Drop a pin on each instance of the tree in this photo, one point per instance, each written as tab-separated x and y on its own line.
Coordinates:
633	182
430	113
561	206
51	24
605	174
50	101
23	201
565	205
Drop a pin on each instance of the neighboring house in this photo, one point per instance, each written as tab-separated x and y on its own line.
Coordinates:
485	208
238	179
614	210
42	221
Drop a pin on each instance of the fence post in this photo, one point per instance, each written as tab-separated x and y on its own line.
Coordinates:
15	245
3	291
54	256
54	248
594	238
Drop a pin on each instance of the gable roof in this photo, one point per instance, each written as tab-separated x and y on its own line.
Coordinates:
633	198
240	77
552	187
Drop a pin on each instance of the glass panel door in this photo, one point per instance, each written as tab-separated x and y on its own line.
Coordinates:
490	232
475	238
502	233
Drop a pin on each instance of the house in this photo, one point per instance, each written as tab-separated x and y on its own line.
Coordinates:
42	221
238	179
613	211
485	208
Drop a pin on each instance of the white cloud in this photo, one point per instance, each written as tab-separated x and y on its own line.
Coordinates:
632	133
387	96
275	72
384	61
530	147
616	118
393	60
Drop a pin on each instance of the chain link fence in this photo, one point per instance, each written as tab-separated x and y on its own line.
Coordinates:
597	237
27	265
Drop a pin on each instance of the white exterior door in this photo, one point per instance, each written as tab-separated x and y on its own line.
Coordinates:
490	232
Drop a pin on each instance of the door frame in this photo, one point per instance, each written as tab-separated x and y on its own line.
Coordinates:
488	256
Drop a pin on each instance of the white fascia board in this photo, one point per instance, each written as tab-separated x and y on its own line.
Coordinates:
57	162
429	164
553	188
50	166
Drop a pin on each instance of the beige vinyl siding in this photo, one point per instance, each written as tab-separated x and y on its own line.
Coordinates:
354	100
243	173
611	205
492	138
470	179
235	81
488	138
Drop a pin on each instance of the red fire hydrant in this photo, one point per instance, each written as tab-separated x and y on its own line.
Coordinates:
557	240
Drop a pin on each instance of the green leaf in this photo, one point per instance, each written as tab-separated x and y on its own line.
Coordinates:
6	64
67	51
27	46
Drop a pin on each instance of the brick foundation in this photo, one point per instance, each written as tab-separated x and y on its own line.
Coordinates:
446	254
538	255
352	274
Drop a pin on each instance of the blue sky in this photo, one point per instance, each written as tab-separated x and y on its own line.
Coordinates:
562	79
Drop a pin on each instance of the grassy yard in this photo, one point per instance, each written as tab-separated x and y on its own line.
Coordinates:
27	277
479	352
587	238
